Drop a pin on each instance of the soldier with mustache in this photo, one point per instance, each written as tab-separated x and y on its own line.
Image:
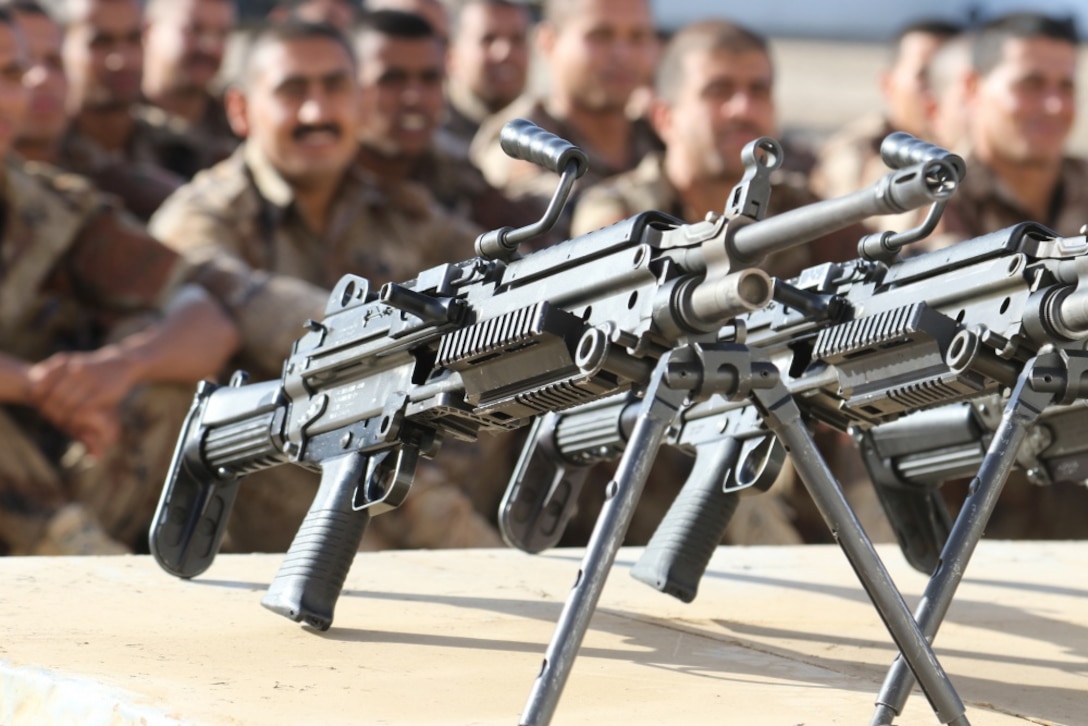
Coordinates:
293	211
714	94
184	42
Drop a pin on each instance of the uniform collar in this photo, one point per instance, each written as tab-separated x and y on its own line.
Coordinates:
269	182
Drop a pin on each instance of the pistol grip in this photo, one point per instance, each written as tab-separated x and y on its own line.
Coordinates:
680	550
312	575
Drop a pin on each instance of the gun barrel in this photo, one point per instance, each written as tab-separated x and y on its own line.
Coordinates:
709	304
902	190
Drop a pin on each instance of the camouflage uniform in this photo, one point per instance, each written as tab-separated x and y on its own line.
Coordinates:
70	265
460	188
465	114
156	160
850	160
238	217
522	179
982	204
785	515
211	137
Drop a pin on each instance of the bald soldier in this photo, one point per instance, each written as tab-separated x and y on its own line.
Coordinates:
714	94
292	211
87	439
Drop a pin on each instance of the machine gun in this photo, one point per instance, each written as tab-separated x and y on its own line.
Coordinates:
489	344
857	345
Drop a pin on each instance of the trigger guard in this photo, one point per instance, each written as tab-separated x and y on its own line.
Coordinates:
760	461
389	476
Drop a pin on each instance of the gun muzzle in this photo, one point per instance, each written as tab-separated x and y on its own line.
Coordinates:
707	305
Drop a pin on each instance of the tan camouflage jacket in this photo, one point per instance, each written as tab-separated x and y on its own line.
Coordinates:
70	263
982	204
518	179
238	217
211	137
157	159
464	116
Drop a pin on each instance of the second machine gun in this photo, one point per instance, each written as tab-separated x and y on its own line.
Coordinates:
857	345
489	344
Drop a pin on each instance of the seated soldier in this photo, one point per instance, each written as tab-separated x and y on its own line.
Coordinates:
184	43
597	53
80	422
293	212
401	69
109	139
488	64
715	93
1021	103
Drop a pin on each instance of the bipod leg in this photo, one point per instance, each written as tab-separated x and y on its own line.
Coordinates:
782	416
656	414
1023	408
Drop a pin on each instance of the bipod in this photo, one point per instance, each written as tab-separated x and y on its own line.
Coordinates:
1056	376
727	369
782	416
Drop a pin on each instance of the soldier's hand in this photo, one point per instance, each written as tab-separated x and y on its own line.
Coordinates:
96	429
75	389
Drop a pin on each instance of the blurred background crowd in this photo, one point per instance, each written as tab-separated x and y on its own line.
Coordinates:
185	180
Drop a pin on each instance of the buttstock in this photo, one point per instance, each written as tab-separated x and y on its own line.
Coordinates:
543	492
916	511
194	507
